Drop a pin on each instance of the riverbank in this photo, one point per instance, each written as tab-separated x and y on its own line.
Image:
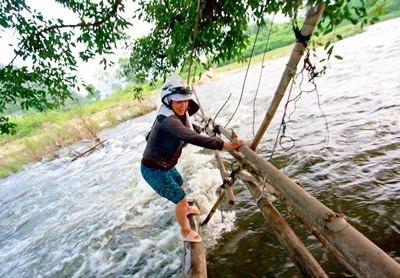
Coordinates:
80	125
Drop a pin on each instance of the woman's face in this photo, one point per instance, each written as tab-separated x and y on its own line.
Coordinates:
179	107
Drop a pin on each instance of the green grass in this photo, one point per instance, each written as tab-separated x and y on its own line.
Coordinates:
41	135
345	31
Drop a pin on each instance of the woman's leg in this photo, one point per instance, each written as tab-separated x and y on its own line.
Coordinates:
188	206
166	184
181	216
181	210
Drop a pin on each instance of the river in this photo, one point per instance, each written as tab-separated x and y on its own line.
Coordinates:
96	217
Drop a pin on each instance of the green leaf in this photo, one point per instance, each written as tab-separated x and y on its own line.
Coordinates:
327	44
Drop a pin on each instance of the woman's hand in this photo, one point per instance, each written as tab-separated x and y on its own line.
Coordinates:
234	145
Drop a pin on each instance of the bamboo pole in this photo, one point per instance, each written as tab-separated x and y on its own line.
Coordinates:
194	256
342	259
363	255
227	184
301	257
214	208
312	18
256	177
229	192
223	194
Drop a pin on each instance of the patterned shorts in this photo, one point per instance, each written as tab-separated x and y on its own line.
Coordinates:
167	183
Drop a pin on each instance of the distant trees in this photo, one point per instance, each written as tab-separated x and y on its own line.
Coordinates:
281	35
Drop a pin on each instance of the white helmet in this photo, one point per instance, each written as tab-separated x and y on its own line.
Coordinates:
175	88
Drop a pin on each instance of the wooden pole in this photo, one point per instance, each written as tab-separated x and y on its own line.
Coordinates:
194	255
256	177
363	255
229	192
228	183
88	150
312	18
301	257
214	208
222	171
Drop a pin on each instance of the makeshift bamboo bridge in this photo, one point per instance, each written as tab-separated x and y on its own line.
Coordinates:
358	254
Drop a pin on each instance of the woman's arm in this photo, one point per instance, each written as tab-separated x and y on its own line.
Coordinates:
176	128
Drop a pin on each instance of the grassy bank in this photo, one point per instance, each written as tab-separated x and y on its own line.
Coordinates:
346	31
43	135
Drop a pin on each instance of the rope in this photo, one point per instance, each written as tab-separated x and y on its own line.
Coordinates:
300	38
248	66
312	74
259	79
245	77
263	191
222	107
283	125
231	179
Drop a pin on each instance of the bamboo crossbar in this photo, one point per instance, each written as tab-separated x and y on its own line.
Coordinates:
363	255
214	208
301	257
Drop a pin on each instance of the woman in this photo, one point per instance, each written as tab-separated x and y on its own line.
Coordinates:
170	132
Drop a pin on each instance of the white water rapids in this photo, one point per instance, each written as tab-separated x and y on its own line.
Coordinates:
96	217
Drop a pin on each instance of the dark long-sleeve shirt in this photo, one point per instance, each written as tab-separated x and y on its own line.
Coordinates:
166	140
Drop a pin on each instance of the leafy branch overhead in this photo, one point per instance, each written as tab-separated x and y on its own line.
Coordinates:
221	29
52	47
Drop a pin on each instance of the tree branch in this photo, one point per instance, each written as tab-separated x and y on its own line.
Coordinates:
112	13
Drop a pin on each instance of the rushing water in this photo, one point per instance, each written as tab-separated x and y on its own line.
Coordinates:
96	217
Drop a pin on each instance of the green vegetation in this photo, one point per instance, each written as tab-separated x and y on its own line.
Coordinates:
41	135
54	47
281	39
346	30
